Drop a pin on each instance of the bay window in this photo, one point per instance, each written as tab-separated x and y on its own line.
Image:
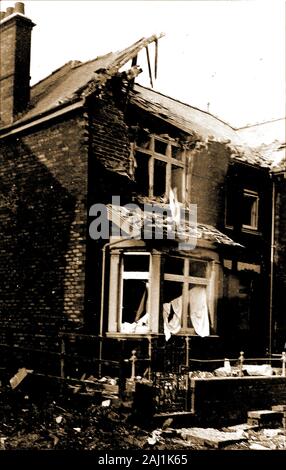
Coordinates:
155	293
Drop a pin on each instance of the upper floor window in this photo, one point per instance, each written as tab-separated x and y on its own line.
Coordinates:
250	204
242	209
160	165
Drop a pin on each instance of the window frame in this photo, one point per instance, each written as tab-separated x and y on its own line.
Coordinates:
185	279
255	196
166	158
157	276
133	275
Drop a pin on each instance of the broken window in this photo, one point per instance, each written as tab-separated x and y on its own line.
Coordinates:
142	173
185	297
250	203
151	293
134	316
160	166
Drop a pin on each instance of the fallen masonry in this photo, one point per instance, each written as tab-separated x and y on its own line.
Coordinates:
212	437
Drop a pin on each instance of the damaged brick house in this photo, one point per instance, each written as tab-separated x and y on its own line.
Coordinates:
87	133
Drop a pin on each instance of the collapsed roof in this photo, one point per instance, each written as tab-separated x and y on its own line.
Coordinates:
74	81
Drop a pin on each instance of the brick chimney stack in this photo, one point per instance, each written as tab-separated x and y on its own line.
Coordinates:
15	52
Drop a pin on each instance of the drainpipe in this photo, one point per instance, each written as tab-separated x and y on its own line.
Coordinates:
272	265
107	245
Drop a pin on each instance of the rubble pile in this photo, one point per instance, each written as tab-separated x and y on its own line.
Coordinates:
90	415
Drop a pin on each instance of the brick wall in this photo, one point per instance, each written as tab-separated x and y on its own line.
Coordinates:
108	175
210	166
279	306
43	222
221	401
110	143
15	48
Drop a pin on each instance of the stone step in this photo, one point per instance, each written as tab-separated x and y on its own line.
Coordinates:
264	417
211	437
280	409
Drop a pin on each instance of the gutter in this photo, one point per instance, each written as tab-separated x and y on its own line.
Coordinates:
40	119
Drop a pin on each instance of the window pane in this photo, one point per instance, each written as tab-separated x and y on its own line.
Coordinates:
135	262
174	265
177	180
176	153
249	210
160	147
159	188
142	173
198	268
134	306
143	141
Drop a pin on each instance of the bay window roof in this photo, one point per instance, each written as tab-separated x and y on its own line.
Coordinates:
142	224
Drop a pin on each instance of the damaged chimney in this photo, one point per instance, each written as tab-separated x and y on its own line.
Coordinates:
15	52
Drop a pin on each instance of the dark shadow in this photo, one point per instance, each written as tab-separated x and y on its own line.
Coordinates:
35	230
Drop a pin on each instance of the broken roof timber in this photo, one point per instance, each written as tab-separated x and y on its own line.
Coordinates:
102	76
76	80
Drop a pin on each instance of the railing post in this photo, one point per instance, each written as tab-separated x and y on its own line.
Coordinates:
241	361
283	364
187	339
62	357
100	356
122	379
133	360
150	356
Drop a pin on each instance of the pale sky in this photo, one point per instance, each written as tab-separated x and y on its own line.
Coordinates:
228	53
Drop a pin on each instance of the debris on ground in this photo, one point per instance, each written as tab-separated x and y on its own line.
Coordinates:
212	437
19	377
33	417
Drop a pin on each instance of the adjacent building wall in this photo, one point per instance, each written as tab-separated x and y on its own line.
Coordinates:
43	223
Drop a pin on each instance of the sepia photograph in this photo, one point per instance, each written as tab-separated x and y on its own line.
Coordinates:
142	232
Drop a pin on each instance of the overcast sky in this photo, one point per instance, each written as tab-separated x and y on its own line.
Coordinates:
228	55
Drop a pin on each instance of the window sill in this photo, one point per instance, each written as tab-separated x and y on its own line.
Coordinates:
131	335
153	335
252	231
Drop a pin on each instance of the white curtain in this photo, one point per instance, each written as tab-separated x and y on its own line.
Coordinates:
173	325
199	310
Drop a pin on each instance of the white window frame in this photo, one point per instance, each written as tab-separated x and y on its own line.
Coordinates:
186	280
168	159
125	275
155	277
254	210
